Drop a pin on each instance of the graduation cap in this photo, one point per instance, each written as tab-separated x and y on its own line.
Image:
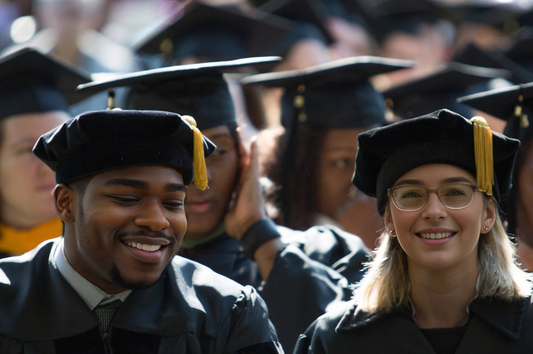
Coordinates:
32	82
309	11
473	55
387	153
439	90
515	105
99	141
521	51
216	33
198	90
332	95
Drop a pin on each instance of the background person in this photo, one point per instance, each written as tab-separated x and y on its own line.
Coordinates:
35	93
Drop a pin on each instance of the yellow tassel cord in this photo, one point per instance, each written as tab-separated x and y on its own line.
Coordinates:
198	160
483	153
110	99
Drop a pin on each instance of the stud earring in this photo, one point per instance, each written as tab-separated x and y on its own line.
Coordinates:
486	228
392	234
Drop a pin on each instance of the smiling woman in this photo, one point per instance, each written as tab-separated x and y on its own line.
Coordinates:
443	275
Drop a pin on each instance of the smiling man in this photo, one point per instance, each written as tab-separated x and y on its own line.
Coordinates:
111	284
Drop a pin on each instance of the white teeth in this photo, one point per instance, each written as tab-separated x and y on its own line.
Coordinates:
436	235
144	247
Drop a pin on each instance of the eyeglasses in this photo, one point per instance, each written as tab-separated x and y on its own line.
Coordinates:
413	198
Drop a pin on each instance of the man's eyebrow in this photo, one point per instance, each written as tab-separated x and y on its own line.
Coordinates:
175	187
127	182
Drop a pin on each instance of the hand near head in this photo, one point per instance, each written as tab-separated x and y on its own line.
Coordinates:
247	206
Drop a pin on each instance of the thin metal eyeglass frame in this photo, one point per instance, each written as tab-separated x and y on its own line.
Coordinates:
390	194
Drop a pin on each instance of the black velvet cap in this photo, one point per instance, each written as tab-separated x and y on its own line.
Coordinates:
332	95
99	141
216	33
31	82
310	11
387	153
439	90
502	104
473	55
198	90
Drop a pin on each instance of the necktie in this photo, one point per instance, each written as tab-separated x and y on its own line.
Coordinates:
105	314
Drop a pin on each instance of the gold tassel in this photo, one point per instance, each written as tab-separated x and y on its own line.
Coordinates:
483	154
110	99
198	161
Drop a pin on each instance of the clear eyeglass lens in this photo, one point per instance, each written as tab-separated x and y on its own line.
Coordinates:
454	196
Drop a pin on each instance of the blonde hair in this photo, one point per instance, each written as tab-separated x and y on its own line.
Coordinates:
385	285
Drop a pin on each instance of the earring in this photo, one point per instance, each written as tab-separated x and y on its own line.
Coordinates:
391	234
486	228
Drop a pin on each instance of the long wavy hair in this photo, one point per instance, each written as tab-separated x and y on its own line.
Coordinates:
385	286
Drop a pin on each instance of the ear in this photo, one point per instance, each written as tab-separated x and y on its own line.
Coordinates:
66	203
389	222
489	216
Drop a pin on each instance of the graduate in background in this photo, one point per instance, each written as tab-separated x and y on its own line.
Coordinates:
35	93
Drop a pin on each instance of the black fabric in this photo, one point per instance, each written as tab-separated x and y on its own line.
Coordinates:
105	313
191	309
494	327
444	340
99	141
310	275
387	153
259	233
260	349
90	342
31	82
332	95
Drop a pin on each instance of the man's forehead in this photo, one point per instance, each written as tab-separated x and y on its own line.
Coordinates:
137	175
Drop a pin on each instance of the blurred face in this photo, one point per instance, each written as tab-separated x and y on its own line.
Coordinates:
336	167
26	183
206	210
459	229
128	224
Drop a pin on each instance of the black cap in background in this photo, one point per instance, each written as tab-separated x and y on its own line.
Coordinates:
439	90
198	90
387	153
215	33
308	11
99	141
332	95
32	82
473	55
513	104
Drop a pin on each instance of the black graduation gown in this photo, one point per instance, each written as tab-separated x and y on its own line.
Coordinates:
495	327
314	271
190	310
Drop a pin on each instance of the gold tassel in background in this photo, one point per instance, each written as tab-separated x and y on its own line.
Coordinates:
198	161
483	153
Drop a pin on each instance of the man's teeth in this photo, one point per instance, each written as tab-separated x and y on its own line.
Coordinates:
143	246
437	235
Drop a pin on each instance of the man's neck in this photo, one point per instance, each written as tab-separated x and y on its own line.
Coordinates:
441	298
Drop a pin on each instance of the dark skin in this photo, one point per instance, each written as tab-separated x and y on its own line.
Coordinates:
234	196
119	212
